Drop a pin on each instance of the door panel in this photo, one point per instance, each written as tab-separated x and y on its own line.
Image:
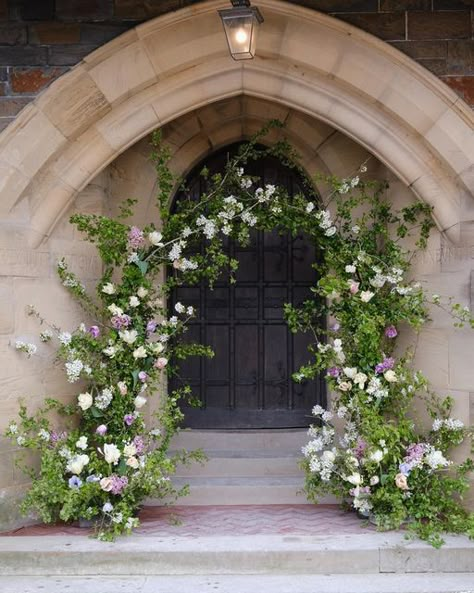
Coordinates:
248	382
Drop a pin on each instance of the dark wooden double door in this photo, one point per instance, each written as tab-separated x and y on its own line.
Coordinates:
248	383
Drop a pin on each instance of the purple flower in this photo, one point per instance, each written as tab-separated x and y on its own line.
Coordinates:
142	376
102	429
415	452
136	239
129	419
139	443
334	372
151	326
359	449
405	468
92	478
58	436
335	327
387	364
118	483
121	321
94	331
75	482
391	331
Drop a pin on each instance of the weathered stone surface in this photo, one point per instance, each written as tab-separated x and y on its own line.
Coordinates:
10	106
24	263
388	26
69	55
461	57
12	34
23	56
423	49
439	25
75	107
7	316
99	33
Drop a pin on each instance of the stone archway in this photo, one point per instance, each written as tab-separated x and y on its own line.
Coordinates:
166	67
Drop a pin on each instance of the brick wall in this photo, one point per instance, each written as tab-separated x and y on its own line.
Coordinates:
42	39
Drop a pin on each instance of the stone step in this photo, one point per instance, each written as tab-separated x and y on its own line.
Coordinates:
287	440
211	583
141	555
266	490
244	463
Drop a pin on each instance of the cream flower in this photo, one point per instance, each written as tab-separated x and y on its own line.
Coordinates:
115	310
76	464
139	402
345	386
390	376
355	479
366	296
142	292
81	443
122	387
360	380
111	453
106	484
108	288
132	462
350	372
84	401
130	450
401	482
156	347
140	352
134	301
155	238
129	336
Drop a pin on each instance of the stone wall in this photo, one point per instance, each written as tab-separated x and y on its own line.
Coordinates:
42	39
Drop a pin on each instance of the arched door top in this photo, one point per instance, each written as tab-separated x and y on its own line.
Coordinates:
306	60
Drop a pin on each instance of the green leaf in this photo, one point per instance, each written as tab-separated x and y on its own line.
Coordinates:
135	377
143	266
122	467
96	412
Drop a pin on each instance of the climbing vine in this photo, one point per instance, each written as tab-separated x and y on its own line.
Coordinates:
366	447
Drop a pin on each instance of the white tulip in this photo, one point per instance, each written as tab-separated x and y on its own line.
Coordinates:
129	336
155	238
350	372
130	450
81	443
366	296
76	464
355	479
111	453
115	310
140	352
84	401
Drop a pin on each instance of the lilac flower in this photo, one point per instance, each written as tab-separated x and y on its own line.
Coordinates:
121	321
334	372
129	419
92	478
75	482
415	452
118	483
94	331
387	364
139	443
360	447
151	326
136	239
391	332
335	327
142	376
405	468
58	436
101	430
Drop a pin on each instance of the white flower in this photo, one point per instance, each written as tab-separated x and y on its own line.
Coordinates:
330	231
341	411
350	269
44	434
337	345
156	347
374	480
106	484
175	252
179	308
140	352
390	376
107	508
453	424
142	292
155	238
115	310
173	320
356	229
355	479
110	351
134	301
328	456
132	462
345	386
129	336
133	258
190	311
130	450
366	295
327	416
81	443
20	440
318	410
309	207
108	288
350	372
437	424
360	380
84	401
435	459
13	428
103	400
74	369
111	453
76	463
376	456
355	182
46	335
139	402
122	387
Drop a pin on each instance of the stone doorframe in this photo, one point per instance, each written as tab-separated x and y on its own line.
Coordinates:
166	67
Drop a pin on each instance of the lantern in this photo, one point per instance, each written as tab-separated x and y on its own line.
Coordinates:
241	23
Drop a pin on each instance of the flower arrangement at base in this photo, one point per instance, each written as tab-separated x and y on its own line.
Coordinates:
368	447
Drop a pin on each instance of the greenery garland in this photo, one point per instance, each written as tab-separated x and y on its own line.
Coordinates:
366	448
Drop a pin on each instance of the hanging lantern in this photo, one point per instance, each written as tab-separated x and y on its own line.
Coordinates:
241	23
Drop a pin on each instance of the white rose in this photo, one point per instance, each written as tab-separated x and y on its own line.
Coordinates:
350	372
374	480
84	401
142	292
114	309
329	456
355	479
111	453
376	456
106	484
122	387
345	386
134	301
179	308
350	269
81	443
76	464
140	352
390	376
366	295
139	402
132	462
156	347
130	450
360	380
155	238
129	335
108	288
